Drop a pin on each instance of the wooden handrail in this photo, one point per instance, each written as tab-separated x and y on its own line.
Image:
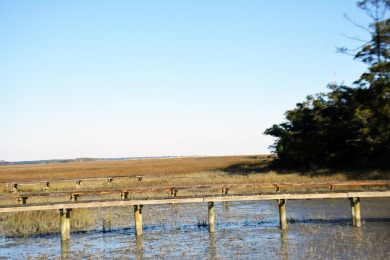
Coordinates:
34	182
223	187
14	185
338	183
189	199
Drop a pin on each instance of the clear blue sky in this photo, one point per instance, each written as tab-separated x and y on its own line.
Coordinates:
152	78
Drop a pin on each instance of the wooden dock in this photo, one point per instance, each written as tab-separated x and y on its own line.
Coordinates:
66	207
14	186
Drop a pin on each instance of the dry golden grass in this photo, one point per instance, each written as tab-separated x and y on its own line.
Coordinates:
162	172
156	172
150	167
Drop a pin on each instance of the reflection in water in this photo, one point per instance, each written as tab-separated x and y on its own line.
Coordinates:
65	249
358	234
175	208
213	253
139	244
284	241
225	206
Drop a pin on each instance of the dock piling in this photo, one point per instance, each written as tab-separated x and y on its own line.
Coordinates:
355	210
79	184
14	188
138	219
22	200
124	195
173	193
74	197
211	216
65	224
282	213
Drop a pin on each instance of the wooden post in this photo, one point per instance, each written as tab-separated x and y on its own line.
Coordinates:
282	213
138	220
14	188
357	213
65	223
173	193
68	223
22	200
74	197
355	210
124	195
211	216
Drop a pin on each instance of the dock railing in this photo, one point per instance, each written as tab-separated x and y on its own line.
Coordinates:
335	190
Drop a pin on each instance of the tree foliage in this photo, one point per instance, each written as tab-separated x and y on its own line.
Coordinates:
347	125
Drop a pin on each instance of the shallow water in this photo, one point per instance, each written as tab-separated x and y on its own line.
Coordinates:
244	230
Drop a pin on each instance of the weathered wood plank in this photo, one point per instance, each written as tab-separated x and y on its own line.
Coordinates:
170	200
319	196
93	204
255	185
157	189
223	187
368	194
246	197
278	196
22	182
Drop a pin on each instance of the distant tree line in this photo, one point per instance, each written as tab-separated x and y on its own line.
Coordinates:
347	125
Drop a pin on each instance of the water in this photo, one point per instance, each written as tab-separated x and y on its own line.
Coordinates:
244	230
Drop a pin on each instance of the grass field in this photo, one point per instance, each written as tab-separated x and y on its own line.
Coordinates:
173	171
157	172
151	167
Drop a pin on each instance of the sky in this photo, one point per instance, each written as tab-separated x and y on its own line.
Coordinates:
127	78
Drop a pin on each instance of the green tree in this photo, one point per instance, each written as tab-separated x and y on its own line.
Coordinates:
347	124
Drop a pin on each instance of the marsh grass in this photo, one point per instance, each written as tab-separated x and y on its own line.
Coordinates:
160	172
22	224
153	167
198	178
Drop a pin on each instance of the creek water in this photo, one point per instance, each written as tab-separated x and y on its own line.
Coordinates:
318	229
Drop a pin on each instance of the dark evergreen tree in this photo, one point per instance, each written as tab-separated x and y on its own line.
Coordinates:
348	124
